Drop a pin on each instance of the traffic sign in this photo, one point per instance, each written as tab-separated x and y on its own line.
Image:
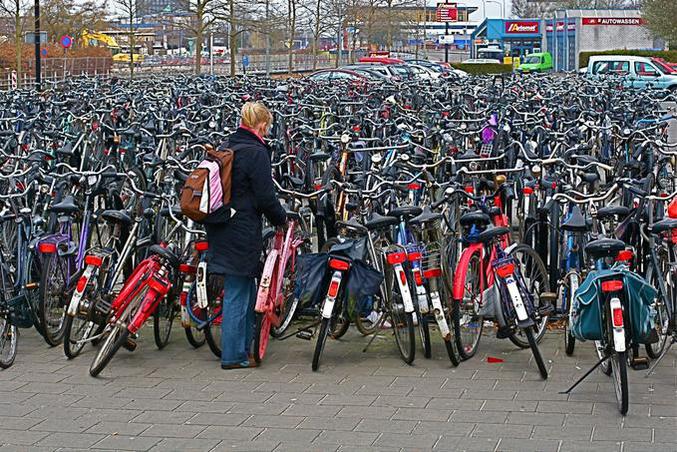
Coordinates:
245	61
66	41
43	52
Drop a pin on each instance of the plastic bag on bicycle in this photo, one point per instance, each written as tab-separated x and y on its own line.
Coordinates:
364	282
311	270
639	299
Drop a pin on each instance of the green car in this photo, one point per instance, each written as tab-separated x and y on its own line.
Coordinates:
536	62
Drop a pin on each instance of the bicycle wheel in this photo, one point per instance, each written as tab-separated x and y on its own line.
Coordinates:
116	339
289	302
213	330
9	338
535	278
319	345
163	319
77	330
53	290
533	344
368	324
565	297
468	323
620	380
402	322
195	336
605	367
261	336
662	315
424	332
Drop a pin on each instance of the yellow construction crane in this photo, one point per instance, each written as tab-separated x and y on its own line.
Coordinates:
93	38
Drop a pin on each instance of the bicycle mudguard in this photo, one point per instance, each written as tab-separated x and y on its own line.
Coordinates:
266	280
158	289
463	262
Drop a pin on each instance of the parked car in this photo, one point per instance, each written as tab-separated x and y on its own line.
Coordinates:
536	62
481	61
393	72
325	75
636	72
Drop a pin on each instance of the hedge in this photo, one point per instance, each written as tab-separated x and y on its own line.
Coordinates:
668	55
475	69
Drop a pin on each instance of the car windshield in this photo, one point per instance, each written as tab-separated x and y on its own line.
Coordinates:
532	60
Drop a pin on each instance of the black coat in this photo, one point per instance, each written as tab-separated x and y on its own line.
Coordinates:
235	246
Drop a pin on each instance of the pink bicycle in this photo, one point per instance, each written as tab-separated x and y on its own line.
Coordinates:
275	300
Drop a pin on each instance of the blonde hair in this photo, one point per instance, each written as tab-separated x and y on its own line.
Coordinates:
255	113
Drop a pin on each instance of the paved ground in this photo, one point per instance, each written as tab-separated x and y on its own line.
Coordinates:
180	399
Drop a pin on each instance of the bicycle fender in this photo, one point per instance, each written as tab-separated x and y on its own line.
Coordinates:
509	249
77	294
463	262
266	280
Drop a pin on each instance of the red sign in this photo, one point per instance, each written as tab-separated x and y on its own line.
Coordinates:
613	21
447	13
521	27
560	27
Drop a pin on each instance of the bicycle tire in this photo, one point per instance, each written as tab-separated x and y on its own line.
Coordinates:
261	336
605	367
655	350
564	290
533	344
116	339
402	322
537	266
424	331
467	350
193	337
163	319
53	336
72	345
290	302
620	380
319	345
9	338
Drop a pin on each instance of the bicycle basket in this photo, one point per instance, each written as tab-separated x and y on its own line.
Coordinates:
20	313
431	260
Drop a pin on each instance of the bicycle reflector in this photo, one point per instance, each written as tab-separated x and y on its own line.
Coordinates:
403	277
47	248
333	288
396	258
505	270
612	286
417	277
93	260
338	264
187	269
528	191
201	246
414	186
625	256
82	283
617	317
414	256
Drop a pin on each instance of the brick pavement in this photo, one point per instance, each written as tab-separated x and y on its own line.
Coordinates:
179	399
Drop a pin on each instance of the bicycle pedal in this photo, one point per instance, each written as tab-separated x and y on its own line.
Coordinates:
305	334
639	363
547	309
548	296
130	345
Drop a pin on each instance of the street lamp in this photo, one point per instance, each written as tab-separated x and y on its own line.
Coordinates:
36	36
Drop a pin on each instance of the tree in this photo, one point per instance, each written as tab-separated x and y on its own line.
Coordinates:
63	17
202	14
291	28
527	8
16	11
130	10
661	17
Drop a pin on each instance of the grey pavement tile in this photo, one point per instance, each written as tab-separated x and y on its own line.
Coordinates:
422	414
162	417
554	419
527	445
217	419
15	397
569	432
367	412
273	387
664	410
287	398
64	425
564	407
510	405
502	431
631	446
330	423
434	428
232	433
350	448
288	446
399	401
449	443
259	408
489	417
17	423
587	446
15	448
341	438
248	446
204	407
42	387
403	440
262	420
173	431
124	442
664	435
485	394
454	404
118	428
291	435
143	393
68	440
17	410
102	402
602	433
21	438
183	444
242	396
348	400
153	404
311	410
385	426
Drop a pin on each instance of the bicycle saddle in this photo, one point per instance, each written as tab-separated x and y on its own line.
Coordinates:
475	217
576	221
490	233
117	216
352	224
405	211
167	255
667	224
601	248
590	177
607	212
319	156
426	216
67	205
379	221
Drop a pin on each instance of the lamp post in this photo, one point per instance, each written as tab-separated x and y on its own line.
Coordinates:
38	68
446	39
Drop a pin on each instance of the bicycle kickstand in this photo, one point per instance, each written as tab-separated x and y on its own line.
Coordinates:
585	375
652	369
305	329
373	336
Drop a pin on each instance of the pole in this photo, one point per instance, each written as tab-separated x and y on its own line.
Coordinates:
446	39
211	52
38	68
268	39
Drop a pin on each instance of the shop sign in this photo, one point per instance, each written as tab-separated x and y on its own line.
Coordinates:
560	27
521	27
613	21
447	13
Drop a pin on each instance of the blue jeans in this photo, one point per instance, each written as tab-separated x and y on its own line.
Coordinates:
237	325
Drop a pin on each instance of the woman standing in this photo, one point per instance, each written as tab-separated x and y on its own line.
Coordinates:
235	246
